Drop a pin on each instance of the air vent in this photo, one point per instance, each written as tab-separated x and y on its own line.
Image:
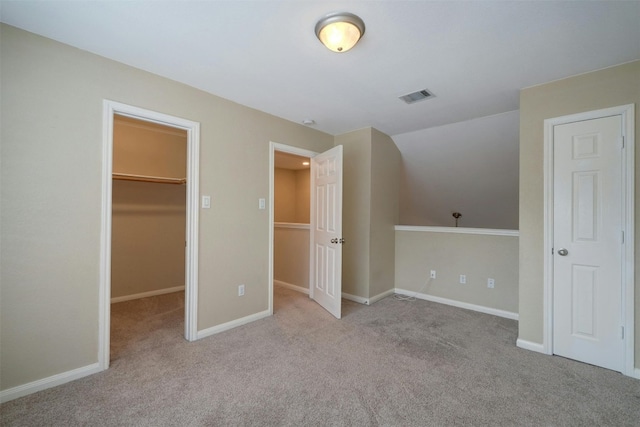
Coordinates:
417	96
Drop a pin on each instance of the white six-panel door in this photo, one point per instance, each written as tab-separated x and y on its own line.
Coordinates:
326	230
588	242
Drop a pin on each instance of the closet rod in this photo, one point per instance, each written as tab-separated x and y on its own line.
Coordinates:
146	178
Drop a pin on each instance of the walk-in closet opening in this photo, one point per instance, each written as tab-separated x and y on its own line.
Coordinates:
291	212
147	233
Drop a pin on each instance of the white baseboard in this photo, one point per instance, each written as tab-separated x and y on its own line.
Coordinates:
147	294
355	298
291	286
232	324
45	383
384	294
529	345
636	373
459	304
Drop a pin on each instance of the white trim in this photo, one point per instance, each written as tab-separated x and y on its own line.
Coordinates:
356	298
628	268
45	383
292	225
232	324
459	230
532	346
147	294
104	293
273	147
291	286
459	304
110	108
382	295
636	373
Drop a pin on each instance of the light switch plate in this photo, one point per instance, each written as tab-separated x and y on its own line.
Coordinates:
206	202
262	203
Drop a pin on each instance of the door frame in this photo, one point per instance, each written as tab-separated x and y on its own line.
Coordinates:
110	108
627	113
273	147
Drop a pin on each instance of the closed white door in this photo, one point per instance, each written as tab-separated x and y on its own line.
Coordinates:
326	230
588	242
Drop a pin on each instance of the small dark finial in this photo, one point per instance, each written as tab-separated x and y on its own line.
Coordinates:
456	215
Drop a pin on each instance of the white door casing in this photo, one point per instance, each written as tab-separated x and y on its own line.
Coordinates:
585	228
587	268
191	233
326	230
273	147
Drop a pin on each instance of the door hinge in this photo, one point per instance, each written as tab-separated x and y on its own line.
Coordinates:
622	140
551	251
622	332
622	232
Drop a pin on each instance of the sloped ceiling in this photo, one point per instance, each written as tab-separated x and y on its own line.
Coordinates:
469	167
474	56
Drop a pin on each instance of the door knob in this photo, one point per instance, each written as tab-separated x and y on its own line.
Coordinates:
334	240
563	252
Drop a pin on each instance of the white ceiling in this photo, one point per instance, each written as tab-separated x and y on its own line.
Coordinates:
474	56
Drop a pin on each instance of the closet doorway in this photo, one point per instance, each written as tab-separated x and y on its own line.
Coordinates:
289	218
148	222
150	212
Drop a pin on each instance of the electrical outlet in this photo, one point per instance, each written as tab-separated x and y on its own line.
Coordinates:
433	274
463	279
240	290
491	283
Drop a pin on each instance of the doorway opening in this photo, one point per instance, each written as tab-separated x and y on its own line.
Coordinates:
325	225
147	232
113	111
289	218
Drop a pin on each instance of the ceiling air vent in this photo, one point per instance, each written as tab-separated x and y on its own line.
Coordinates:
417	96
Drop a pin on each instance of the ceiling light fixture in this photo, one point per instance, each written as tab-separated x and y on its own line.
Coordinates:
340	31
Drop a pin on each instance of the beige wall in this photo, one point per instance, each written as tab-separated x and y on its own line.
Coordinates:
385	210
370	211
144	148
149	219
356	205
291	195
303	203
479	257
147	237
290	241
284	197
587	92
51	135
291	255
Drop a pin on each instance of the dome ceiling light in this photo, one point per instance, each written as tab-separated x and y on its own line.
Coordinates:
340	31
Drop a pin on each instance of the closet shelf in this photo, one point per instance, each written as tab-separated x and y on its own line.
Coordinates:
146	178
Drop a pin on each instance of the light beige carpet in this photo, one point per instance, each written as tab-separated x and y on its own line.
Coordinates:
395	363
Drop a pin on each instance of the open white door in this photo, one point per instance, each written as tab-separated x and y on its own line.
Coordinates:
326	230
